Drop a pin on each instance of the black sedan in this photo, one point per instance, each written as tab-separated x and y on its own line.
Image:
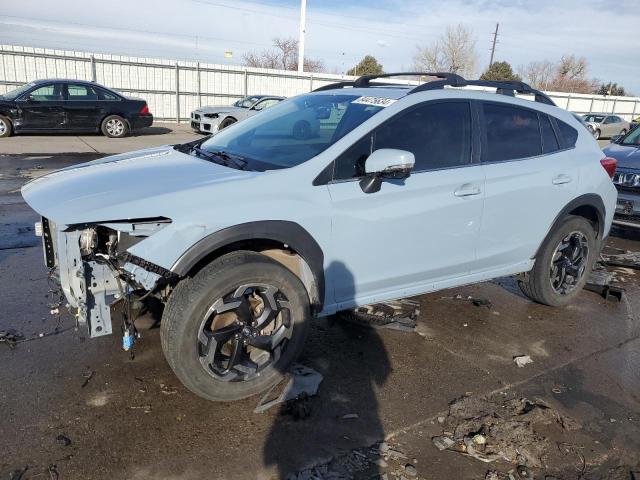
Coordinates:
70	106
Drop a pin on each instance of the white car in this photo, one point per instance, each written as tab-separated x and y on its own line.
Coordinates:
248	234
212	118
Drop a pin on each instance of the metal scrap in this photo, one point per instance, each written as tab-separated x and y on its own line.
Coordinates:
395	315
303	382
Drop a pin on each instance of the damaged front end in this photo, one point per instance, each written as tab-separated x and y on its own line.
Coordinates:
96	271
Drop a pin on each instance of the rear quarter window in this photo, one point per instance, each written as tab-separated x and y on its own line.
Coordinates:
568	134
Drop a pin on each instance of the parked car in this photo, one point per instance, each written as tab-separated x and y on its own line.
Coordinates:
246	235
603	125
210	119
626	149
71	106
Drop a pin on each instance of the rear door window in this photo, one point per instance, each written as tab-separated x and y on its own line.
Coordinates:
512	133
81	92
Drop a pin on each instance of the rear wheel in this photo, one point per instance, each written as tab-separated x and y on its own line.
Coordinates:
562	264
233	329
114	126
5	127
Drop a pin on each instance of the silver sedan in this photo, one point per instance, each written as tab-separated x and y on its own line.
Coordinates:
212	118
603	125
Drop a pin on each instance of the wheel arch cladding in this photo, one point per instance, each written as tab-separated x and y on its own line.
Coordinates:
258	236
589	206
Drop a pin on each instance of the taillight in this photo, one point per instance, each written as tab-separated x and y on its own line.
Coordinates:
145	110
609	164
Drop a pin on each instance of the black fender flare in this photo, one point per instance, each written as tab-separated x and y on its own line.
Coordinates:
282	231
586	200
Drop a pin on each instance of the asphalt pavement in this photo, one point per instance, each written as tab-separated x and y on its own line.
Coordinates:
81	408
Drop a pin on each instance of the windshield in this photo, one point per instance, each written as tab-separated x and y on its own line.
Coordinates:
15	93
593	118
247	102
632	139
293	131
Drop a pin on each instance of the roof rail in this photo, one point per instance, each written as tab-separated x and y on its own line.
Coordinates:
505	87
365	80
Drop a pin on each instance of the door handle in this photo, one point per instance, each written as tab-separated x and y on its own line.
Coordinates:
467	190
561	179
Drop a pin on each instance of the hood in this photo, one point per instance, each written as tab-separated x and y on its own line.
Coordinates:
627	156
218	109
140	184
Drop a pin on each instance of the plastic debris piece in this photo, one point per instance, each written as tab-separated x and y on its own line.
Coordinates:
395	315
481	302
350	416
302	380
410	470
443	442
522	360
63	440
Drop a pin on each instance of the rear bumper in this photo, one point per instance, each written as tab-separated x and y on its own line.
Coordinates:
141	121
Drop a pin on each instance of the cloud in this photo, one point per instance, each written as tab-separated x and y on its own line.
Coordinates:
205	29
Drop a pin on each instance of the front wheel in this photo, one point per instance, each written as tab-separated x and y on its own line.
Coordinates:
233	329
623	132
562	264
596	134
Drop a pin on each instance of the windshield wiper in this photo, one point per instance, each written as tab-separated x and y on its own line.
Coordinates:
222	158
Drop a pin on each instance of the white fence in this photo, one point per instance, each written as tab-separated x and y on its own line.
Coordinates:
174	88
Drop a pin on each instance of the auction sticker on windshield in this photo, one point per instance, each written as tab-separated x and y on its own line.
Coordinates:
375	101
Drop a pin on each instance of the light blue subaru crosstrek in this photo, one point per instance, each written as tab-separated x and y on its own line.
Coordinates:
248	234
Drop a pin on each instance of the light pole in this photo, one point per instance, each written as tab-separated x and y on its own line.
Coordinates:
303	18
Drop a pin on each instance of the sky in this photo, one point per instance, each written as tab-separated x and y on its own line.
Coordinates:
338	32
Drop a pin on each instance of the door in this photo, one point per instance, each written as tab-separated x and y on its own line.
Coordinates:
413	232
41	108
83	107
529	180
609	126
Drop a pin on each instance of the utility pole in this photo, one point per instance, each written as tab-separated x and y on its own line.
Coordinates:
493	47
303	19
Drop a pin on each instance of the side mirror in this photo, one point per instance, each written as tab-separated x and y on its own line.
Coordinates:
386	163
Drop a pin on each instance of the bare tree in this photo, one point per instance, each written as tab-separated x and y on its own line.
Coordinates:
454	52
538	74
283	56
569	74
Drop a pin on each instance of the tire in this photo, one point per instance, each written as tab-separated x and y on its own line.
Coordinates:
538	285
301	130
6	128
114	126
214	289
596	134
226	122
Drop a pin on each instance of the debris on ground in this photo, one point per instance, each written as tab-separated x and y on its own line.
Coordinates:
88	375
395	315
627	259
166	390
10	337
379	461
602	281
300	383
489	429
522	360
144	408
63	440
481	302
